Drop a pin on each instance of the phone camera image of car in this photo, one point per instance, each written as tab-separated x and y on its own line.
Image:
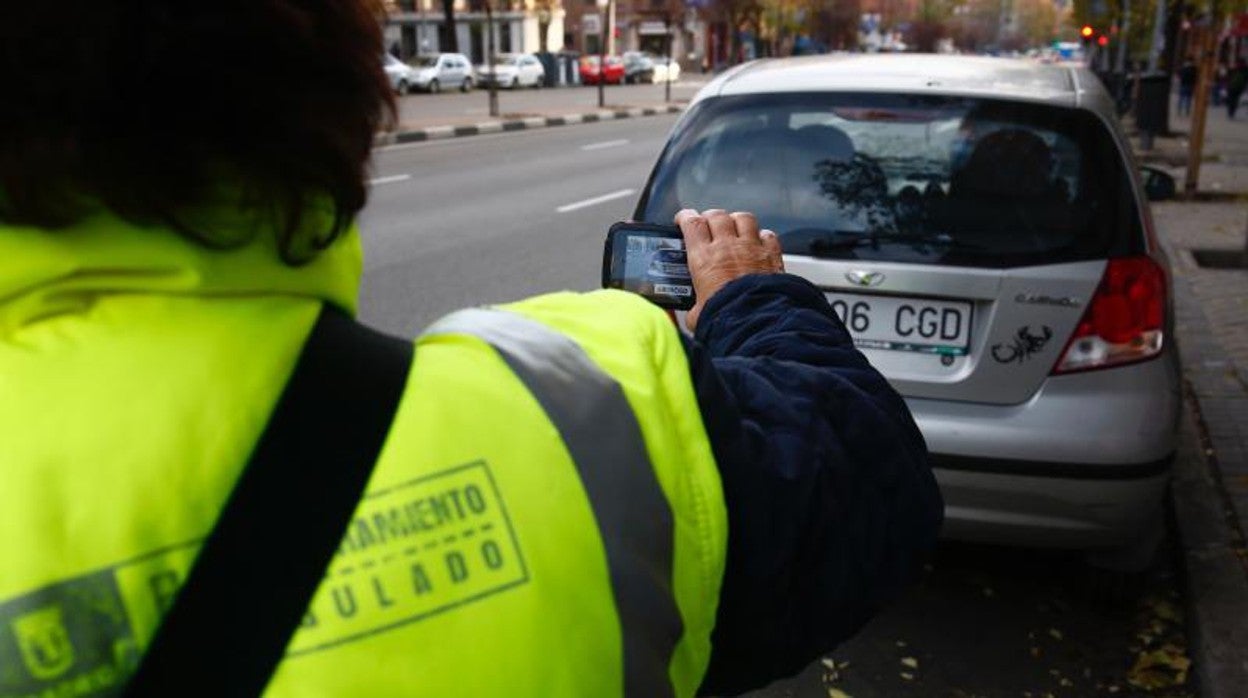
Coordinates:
668	266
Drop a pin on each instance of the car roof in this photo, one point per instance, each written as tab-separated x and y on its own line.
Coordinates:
972	76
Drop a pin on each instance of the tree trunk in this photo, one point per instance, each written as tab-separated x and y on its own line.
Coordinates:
450	37
1206	42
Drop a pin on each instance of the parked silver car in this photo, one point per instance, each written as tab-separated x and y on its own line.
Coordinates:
437	71
980	226
513	70
401	75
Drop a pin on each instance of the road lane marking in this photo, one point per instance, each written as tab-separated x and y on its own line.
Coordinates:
605	144
389	180
595	201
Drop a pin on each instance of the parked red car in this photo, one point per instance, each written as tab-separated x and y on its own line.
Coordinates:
590	73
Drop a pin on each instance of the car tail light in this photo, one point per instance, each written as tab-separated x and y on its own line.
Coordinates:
1124	321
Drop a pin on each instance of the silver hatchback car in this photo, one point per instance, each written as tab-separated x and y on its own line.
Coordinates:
980	226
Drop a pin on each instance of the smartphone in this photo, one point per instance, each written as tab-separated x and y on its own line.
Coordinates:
648	260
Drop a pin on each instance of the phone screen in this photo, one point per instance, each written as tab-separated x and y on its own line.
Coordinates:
648	260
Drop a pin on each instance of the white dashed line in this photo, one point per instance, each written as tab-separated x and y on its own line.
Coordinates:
389	180
605	144
595	201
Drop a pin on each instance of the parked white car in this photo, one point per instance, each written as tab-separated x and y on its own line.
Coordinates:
513	70
665	70
401	75
438	71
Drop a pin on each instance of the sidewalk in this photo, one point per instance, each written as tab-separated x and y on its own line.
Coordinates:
1224	167
1211	490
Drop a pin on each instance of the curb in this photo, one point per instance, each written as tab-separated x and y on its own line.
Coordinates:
1216	587
1215	580
430	133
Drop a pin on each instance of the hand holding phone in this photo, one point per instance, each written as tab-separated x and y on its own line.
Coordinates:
707	251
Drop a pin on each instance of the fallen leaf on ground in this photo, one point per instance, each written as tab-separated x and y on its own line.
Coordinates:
829	663
907	676
1166	611
837	693
910	662
901	643
1161	668
1055	633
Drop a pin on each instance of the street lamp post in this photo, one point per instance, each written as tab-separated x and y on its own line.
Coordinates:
489	57
667	33
604	8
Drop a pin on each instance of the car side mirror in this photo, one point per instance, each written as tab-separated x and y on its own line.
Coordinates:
1158	184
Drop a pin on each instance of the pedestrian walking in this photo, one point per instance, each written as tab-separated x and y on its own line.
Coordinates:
1236	81
1187	85
1218	88
215	482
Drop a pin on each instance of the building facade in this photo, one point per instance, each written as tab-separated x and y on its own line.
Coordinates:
635	25
518	26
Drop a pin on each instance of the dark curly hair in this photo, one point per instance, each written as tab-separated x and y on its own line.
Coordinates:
154	108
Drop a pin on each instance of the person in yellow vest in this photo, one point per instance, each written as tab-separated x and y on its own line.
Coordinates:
567	496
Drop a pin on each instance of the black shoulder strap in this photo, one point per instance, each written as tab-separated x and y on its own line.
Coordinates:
265	558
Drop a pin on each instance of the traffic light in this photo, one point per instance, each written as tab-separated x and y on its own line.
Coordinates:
1087	31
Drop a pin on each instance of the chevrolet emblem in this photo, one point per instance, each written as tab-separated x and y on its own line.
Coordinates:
859	277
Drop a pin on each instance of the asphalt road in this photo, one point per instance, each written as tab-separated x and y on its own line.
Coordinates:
488	219
455	105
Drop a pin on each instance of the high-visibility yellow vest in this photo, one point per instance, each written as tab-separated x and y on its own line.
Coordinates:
546	516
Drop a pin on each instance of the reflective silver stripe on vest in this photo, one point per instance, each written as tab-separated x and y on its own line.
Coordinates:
601	433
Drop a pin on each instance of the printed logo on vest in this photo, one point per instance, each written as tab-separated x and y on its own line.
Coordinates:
82	636
44	642
413	551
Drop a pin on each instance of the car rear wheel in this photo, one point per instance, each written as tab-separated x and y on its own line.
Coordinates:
434	87
403	88
515	83
467	86
1116	576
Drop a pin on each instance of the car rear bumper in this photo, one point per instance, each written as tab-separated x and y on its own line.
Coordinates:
1082	464
1040	511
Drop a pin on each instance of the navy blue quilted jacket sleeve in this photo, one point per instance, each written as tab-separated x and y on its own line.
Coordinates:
831	501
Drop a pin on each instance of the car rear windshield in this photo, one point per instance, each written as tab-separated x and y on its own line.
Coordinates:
920	179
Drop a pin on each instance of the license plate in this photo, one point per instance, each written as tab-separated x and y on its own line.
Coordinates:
905	324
